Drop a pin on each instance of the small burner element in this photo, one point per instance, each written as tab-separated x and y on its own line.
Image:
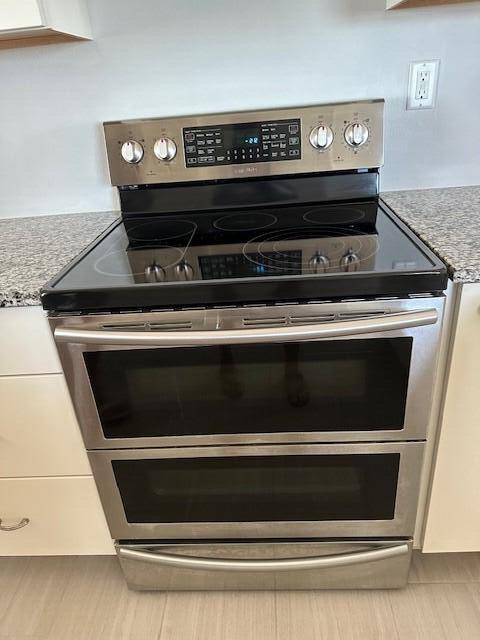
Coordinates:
335	215
147	264
245	221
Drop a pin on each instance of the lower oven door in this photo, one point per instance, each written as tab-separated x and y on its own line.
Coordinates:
361	564
283	491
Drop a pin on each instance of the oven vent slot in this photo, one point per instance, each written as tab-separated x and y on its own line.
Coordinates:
349	315
169	326
265	322
127	326
148	326
318	319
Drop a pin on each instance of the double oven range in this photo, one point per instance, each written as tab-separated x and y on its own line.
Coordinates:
250	350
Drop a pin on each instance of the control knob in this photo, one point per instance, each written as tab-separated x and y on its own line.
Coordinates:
132	151
350	261
154	273
321	137
184	271
165	149
318	263
356	134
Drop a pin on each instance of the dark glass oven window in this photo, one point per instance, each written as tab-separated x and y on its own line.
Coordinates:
339	385
259	488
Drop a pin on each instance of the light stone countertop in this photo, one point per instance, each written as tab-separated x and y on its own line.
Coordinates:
33	250
448	221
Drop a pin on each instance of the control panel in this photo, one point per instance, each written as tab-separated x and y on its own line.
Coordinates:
243	143
335	137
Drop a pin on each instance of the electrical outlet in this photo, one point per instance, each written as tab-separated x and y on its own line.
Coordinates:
422	84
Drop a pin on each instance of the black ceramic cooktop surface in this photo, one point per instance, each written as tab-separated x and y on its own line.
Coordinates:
276	254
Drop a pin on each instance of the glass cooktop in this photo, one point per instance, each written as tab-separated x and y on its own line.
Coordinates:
242	256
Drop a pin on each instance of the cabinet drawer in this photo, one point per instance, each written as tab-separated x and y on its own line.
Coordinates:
39	434
65	517
26	343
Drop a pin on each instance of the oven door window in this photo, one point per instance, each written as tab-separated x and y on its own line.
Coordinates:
259	488
339	385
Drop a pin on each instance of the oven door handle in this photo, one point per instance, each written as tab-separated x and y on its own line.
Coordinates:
287	564
391	322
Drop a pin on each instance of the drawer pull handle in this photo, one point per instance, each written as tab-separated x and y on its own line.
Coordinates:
14	527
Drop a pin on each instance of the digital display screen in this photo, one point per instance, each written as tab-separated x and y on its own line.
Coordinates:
251	265
240	135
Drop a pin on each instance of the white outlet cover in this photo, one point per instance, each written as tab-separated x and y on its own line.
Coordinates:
432	66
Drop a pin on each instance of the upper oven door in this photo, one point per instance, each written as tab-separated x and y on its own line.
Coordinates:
300	373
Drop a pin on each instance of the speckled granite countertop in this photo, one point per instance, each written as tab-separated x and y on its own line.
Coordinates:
448	220
33	250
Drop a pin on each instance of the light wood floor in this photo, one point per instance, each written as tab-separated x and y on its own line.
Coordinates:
85	598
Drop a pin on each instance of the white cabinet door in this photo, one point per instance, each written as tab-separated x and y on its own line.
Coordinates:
64	514
453	516
26	343
20	14
39	434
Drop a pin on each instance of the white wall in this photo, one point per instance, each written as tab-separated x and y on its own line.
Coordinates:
166	57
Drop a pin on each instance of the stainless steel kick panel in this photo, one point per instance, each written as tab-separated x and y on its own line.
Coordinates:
367	564
402	524
339	156
418	318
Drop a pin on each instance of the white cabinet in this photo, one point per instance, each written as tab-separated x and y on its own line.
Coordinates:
453	513
64	517
48	500
407	4
33	18
20	14
39	434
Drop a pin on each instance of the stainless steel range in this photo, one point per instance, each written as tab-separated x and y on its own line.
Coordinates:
250	350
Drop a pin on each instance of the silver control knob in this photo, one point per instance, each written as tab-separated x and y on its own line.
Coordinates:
350	261
154	273
184	271
165	149
321	137
356	134
318	263
132	151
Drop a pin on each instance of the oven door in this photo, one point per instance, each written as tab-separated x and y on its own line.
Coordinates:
300	373
285	491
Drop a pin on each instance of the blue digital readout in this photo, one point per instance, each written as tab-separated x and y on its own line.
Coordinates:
251	140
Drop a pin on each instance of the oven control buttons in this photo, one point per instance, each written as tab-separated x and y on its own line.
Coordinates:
350	261
165	149
321	137
183	271
132	151
356	134
318	263
154	273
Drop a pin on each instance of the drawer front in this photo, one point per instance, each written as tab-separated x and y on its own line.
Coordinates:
64	517
39	434
26	343
259	566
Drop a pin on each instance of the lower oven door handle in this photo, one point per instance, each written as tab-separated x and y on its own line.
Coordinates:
287	564
394	321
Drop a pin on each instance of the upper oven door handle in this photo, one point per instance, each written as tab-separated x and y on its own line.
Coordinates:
331	329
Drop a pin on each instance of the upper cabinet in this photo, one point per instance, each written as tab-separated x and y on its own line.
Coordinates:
47	19
406	4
